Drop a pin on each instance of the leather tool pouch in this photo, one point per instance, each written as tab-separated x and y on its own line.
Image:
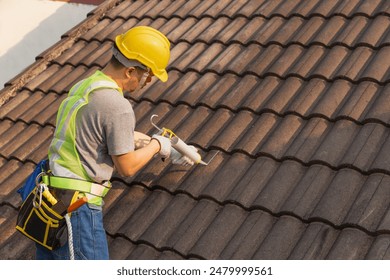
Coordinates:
41	216
40	222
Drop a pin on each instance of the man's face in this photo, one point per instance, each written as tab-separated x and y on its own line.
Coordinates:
137	79
146	77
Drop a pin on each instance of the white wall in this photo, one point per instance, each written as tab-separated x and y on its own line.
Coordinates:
28	27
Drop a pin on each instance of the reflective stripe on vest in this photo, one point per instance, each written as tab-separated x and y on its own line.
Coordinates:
64	159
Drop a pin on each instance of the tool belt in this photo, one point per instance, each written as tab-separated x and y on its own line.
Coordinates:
41	216
38	221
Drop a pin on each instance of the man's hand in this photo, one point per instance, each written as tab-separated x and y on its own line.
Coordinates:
165	145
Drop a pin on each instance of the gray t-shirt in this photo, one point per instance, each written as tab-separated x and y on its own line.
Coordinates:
104	127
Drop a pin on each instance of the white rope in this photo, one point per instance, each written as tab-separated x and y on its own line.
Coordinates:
70	236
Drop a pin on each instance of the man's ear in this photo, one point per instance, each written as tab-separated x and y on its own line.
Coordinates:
129	71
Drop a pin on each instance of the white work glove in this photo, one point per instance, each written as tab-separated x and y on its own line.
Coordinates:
165	145
178	159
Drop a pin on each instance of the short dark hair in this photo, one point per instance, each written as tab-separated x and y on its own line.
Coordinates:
114	62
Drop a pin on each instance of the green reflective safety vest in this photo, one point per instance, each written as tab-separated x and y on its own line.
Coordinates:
63	156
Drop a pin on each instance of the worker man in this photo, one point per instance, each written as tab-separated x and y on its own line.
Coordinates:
95	134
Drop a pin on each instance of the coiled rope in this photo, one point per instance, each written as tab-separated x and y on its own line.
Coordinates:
70	236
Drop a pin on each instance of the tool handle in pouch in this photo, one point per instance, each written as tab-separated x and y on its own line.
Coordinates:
185	149
77	204
46	193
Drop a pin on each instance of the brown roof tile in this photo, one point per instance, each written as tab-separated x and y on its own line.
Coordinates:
315	243
219	232
349	238
277	244
380	248
254	229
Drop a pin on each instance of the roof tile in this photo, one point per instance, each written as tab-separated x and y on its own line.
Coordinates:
176	34
264	58
119	248
247	33
366	146
380	249
357	242
335	142
363	102
308	189
309	139
382	162
50	73
13	247
143	252
199	179
240	163
381	71
217	88
34	112
195	224
131	198
165	226
248	8
253	230
352	31
385	224
279	138
25	99
253	181
315	243
124	9
234	131
33	141
370	206
340	195
322	31
280	186
278	245
70	53
13	175
219	232
146	213
107	31
369	8
329	66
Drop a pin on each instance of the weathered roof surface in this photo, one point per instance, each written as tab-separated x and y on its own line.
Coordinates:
294	94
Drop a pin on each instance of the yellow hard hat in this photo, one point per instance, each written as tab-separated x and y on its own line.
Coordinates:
147	45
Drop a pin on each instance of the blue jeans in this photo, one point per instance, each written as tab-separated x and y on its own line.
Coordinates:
89	238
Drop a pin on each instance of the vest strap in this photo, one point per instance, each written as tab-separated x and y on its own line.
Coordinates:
77	185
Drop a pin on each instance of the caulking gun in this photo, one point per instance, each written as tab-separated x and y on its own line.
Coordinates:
180	145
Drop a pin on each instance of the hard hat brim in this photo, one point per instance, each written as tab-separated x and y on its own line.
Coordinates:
162	77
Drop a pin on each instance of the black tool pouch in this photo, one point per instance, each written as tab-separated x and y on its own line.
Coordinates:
40	222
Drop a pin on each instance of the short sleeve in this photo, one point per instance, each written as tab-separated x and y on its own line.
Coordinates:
119	132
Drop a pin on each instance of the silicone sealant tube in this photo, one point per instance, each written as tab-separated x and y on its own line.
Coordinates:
186	150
